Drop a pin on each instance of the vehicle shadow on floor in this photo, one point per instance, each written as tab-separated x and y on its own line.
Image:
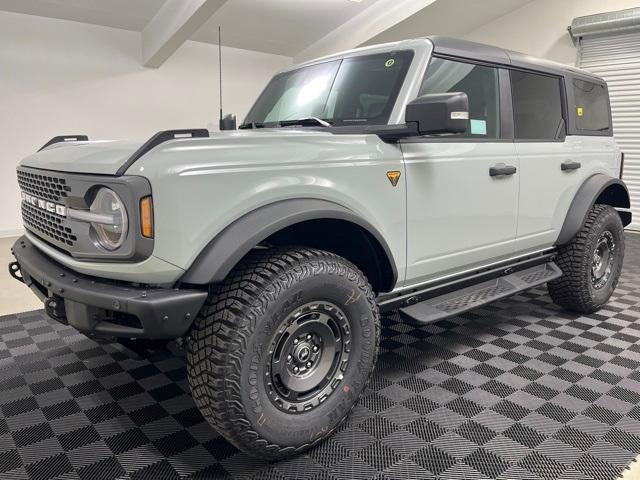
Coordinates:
516	389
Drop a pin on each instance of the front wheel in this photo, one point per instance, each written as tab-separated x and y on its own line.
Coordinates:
591	263
282	349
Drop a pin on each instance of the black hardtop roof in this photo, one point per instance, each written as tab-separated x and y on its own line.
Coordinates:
487	53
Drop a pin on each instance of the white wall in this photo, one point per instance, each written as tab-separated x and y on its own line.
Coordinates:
540	27
61	77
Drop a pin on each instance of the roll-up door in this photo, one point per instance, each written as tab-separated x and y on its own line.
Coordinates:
616	58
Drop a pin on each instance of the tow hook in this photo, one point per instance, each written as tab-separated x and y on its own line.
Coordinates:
14	271
54	307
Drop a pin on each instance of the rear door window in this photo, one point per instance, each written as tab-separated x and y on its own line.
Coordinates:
537	106
592	106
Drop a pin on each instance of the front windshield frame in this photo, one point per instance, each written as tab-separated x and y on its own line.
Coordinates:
403	59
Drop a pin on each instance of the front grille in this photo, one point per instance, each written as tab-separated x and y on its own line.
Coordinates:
53	226
43	186
48	197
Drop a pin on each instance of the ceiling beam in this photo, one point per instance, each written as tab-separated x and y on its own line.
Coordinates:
379	17
173	25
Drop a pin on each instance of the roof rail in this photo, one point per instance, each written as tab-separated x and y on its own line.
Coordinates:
65	138
161	137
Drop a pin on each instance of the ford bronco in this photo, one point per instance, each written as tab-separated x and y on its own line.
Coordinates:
427	176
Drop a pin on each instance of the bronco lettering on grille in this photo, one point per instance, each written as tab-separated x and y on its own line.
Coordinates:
45	205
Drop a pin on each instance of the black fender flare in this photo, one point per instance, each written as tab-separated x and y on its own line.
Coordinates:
586	196
221	254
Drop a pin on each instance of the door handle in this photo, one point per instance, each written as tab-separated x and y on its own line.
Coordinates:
502	169
570	165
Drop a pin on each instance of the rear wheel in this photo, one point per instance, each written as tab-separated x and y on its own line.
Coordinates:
282	350
591	263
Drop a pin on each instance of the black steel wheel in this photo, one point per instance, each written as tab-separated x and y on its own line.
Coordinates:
282	350
603	260
308	357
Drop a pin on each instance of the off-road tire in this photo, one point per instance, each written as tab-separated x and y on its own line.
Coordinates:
228	347
574	290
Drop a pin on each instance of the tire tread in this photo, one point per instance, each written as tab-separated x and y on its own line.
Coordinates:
222	330
571	290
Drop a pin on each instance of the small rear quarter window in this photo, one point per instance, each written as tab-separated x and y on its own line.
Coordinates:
591	106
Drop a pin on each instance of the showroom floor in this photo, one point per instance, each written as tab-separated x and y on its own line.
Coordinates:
13	296
516	390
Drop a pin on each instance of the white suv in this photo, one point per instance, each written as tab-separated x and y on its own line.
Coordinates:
429	176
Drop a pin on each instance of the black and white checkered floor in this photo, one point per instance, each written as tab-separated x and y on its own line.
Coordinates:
516	390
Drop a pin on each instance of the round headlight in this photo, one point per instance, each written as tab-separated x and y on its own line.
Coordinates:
112	231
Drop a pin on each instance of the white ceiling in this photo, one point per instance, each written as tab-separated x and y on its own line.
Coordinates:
125	14
283	27
453	18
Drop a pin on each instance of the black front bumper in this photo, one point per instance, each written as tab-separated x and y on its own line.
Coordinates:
107	308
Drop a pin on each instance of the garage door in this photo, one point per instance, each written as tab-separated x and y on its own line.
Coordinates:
616	58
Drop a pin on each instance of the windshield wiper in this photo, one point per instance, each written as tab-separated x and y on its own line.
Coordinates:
251	125
304	122
309	121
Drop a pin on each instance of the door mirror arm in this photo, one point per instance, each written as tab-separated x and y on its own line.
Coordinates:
393	133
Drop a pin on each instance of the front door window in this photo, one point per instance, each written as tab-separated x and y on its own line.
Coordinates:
479	82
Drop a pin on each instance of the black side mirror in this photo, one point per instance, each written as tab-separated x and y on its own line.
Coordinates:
439	113
228	122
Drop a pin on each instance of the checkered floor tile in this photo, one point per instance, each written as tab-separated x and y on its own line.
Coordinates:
516	390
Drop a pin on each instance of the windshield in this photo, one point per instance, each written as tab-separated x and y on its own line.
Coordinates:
353	91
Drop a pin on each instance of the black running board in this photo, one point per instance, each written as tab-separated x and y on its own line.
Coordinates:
454	303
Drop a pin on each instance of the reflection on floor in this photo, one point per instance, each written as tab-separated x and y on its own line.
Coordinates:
516	390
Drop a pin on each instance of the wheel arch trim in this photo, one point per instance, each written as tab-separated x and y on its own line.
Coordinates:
596	186
226	249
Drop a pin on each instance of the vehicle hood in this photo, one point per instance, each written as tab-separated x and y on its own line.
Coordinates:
106	157
98	157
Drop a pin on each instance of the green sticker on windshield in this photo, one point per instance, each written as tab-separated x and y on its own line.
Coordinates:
390	63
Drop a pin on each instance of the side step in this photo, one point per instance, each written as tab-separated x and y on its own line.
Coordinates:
454	303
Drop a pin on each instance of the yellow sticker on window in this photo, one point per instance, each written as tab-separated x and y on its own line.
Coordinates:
390	63
580	111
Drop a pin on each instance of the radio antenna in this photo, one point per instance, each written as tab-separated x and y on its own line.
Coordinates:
220	66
